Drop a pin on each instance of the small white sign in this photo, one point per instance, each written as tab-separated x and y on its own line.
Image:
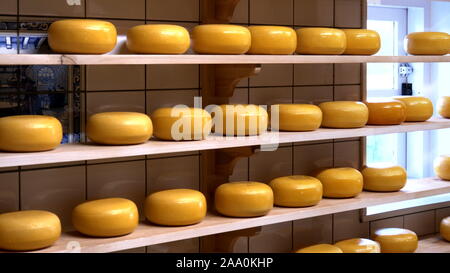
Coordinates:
73	2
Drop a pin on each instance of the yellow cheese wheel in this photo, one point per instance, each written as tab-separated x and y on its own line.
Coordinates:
322	41
358	245
297	117
82	36
362	42
417	108
181	123
386	112
240	119
396	240
427	43
177	207
28	230
107	217
272	40
340	182
221	39
384	178
344	114
296	191
243	199
158	39
444	107
442	167
119	128
29	133
444	228
320	248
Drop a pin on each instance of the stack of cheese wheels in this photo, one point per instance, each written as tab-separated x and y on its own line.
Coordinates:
340	182
176	207
296	191
243	199
321	41
358	245
362	42
240	119
384	178
344	114
385	111
181	123
158	39
29	133
444	228
427	43
444	107
82	36
396	240
274	40
320	248
28	230
296	117
417	108
442	167
106	217
221	39
119	128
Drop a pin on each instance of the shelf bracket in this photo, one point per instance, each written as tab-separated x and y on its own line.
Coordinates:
217	11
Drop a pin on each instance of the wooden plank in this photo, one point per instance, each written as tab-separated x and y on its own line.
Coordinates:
433	244
30	59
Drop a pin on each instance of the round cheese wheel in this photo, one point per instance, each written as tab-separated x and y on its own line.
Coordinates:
297	117
442	167
384	178
272	40
444	107
417	108
106	217
119	128
362	42
181	123
396	240
177	207
322	41
158	39
344	114
444	228
82	36
427	43
358	245
296	191
28	230
386	112
240	119
340	182
221	39
29	133
320	248
243	199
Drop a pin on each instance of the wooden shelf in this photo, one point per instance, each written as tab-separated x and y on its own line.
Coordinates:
433	244
148	234
89	151
58	59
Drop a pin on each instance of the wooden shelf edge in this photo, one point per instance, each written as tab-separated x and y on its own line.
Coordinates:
433	244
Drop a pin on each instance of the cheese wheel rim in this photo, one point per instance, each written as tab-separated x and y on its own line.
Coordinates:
321	41
221	39
418	108
362	42
384	178
272	40
386	112
340	182
358	245
297	117
444	106
320	248
296	191
396	240
442	167
245	119
444	228
344	114
427	43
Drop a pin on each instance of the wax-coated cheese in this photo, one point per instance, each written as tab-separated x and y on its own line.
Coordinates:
240	119
427	43
106	217
340	182
221	39
297	117
158	39
119	128
442	167
296	191
272	40
176	207
362	42
384	178
181	123
417	108
344	114
322	41
28	230
444	228
386	112
358	245
82	36
320	248
396	240
243	199
444	106
29	133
